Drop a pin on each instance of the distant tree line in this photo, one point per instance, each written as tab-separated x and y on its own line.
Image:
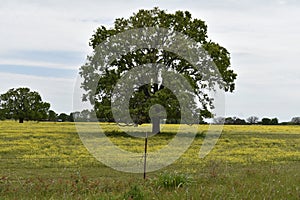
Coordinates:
22	104
254	120
79	116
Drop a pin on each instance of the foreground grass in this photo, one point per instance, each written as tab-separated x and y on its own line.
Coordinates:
48	161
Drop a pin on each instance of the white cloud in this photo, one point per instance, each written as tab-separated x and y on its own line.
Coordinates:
36	64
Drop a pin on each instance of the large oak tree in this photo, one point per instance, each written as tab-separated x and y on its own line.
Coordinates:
147	95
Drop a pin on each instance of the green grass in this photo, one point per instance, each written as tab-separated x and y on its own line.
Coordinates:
49	161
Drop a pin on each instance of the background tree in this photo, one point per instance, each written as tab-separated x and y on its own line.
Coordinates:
295	120
219	120
72	116
239	121
52	116
63	117
2	115
83	116
274	121
229	120
252	120
234	121
22	104
265	121
150	94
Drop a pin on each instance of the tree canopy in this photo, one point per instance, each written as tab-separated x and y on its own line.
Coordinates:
268	121
148	95
252	119
22	104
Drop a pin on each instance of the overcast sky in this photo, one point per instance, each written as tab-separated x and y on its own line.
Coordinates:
43	44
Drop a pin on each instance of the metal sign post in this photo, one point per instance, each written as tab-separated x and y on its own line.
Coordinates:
145	156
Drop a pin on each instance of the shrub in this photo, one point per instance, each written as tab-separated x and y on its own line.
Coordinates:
175	180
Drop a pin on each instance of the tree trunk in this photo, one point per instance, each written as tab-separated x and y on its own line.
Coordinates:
21	120
155	125
155	119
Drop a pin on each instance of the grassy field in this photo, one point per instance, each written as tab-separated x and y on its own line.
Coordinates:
48	161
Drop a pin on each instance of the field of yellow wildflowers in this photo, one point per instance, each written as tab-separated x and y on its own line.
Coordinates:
47	160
